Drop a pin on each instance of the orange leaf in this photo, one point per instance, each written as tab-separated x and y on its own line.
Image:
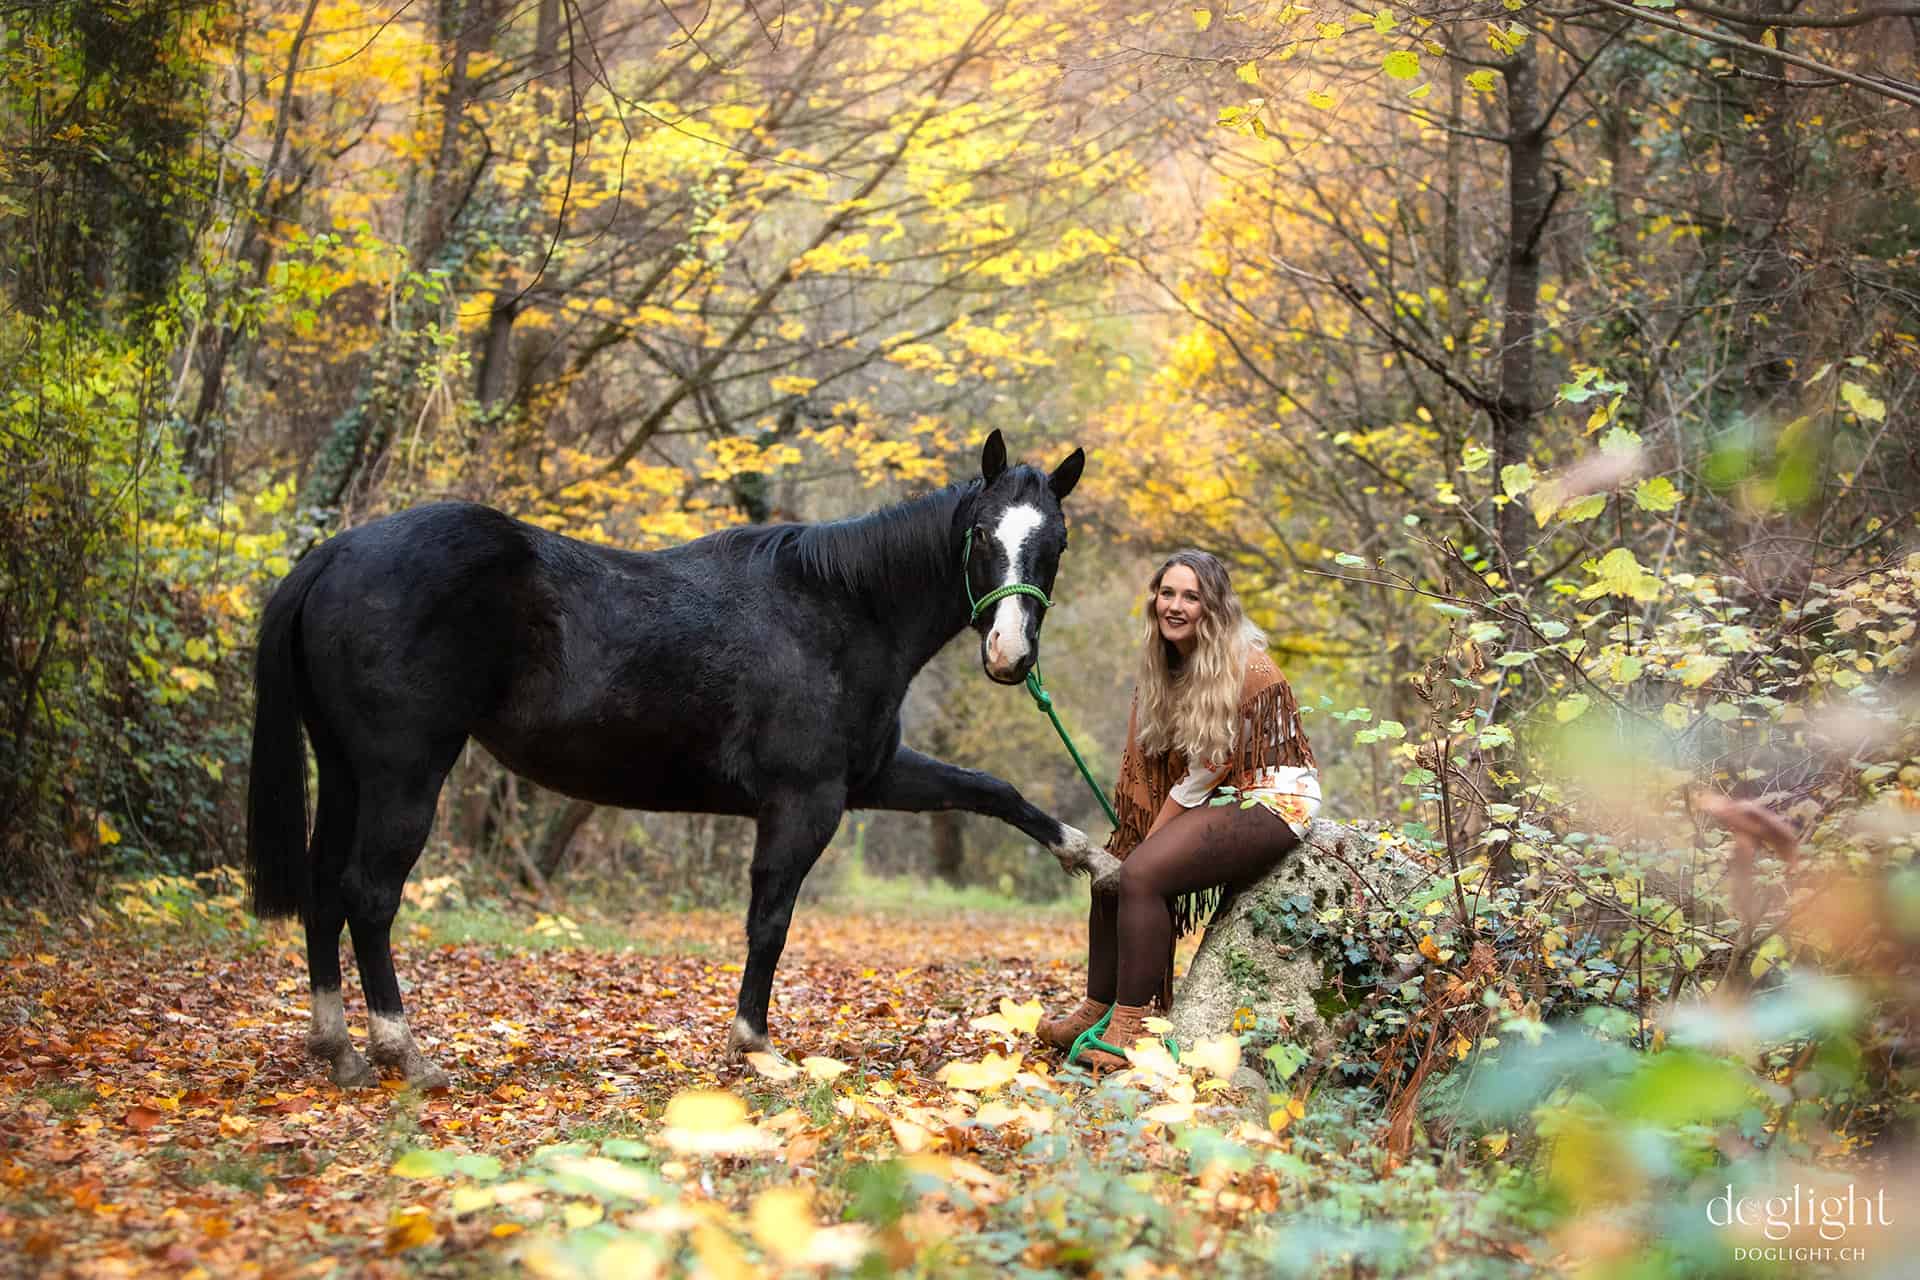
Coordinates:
409	1228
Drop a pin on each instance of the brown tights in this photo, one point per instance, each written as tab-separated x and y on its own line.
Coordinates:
1130	934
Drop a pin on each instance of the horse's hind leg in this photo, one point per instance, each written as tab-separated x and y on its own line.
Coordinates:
327	1039
793	828
395	815
916	783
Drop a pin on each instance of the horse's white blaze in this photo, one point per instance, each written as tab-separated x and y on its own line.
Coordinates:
1007	641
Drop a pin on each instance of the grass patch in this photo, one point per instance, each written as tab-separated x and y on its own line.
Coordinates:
491	926
910	895
65	1099
241	1172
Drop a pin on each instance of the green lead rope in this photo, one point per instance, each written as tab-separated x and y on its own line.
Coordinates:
1090	1039
1044	700
1035	685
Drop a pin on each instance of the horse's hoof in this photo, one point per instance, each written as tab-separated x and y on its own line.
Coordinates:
350	1070
424	1075
742	1040
1073	850
1104	869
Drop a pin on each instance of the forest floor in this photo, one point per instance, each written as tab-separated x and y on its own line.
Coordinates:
158	1117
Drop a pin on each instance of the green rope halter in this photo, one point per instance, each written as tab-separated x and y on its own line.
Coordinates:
1035	686
998	593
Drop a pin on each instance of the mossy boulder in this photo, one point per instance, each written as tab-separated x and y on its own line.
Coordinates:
1267	949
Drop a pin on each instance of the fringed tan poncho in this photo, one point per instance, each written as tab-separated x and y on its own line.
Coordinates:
1269	736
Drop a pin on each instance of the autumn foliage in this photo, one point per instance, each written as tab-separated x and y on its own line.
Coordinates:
1546	373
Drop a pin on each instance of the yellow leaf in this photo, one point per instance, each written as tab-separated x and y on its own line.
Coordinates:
409	1228
823	1068
1620	573
912	1137
1172	1112
1429	948
1151	1056
1202	18
774	1067
708	1121
108	835
581	1214
734	117
990	1072
1698	668
719	1256
1249	73
627	1258
1496	1142
1024	1018
954	1169
1217	1055
1319	99
995	1113
705	1110
1657	493
468	1199
781	1220
1862	403
501	1230
1401	64
1480	81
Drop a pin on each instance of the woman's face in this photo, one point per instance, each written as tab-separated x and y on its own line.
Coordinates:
1176	607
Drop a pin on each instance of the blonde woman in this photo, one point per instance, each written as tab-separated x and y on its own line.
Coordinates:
1212	718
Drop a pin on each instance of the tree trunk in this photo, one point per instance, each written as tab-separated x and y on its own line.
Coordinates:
1529	201
559	837
947	841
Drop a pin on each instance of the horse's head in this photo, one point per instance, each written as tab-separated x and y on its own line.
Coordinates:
1013	550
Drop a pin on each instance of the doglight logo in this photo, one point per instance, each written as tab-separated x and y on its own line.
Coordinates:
1799	1217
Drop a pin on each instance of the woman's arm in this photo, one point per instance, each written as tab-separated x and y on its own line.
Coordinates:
1190	792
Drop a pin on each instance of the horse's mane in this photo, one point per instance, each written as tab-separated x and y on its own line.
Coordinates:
884	551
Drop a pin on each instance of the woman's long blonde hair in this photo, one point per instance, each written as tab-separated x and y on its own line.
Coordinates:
1191	705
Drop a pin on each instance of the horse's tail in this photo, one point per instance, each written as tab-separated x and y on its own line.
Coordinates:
277	782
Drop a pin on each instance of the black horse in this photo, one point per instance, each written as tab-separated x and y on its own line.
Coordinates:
756	671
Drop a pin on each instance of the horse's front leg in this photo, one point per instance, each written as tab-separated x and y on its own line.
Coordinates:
794	826
916	783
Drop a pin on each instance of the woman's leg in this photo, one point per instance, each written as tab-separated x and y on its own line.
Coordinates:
1103	948
1200	848
1102	961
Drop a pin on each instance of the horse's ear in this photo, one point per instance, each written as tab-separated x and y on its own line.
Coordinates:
1067	474
993	458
